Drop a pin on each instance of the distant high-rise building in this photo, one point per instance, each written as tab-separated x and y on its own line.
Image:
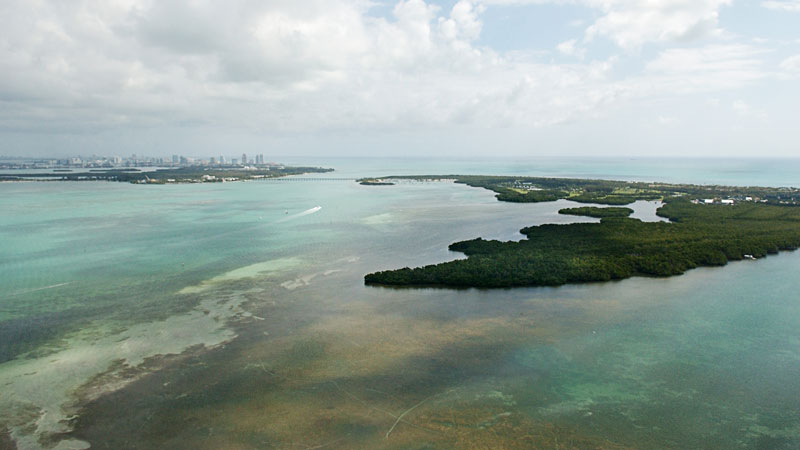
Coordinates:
234	161
244	158
221	159
175	159
212	160
260	159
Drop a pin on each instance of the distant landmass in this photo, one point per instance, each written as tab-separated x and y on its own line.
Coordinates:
710	225
192	174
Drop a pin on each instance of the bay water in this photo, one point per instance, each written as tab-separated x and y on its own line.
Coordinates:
235	316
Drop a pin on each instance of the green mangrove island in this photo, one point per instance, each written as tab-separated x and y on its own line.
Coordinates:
593	211
709	226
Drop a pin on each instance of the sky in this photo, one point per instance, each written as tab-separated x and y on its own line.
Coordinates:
447	78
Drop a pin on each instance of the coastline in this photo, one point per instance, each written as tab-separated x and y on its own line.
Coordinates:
281	381
186	175
734	223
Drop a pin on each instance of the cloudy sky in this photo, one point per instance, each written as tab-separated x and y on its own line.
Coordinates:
418	77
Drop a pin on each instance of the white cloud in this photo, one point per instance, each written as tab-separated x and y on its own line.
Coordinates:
277	66
741	108
570	48
791	64
708	68
299	68
632	23
786	5
464	21
666	120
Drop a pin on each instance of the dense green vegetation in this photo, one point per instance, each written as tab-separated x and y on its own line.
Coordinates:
615	248
194	174
593	211
607	192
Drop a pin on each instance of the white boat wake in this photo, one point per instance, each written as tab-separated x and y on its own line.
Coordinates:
27	291
300	214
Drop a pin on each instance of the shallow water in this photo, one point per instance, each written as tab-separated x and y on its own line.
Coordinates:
235	316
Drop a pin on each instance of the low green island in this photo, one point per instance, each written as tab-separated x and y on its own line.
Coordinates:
605	192
708	226
599	213
190	174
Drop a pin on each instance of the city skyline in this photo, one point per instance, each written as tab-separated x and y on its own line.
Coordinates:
134	160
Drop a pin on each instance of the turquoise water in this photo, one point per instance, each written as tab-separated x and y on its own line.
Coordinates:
731	171
235	315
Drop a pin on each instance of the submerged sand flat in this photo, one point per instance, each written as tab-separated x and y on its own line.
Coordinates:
251	271
39	393
42	394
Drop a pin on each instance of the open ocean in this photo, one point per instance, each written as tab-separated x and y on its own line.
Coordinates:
235	316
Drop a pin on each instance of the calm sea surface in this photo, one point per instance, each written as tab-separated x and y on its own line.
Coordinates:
235	316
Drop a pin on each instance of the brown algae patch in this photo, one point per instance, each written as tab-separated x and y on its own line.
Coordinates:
350	376
312	372
356	382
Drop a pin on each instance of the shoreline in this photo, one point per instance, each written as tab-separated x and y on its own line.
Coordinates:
282	381
186	175
708	226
